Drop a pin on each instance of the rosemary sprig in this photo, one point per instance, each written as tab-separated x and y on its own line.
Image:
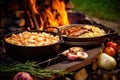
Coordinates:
30	67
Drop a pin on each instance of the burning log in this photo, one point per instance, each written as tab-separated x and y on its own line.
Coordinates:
30	21
33	17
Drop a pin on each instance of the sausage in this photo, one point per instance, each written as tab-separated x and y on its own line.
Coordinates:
70	30
78	32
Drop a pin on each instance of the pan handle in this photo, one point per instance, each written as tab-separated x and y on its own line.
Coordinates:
56	30
112	35
52	29
62	41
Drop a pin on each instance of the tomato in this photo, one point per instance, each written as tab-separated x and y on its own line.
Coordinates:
113	45
110	51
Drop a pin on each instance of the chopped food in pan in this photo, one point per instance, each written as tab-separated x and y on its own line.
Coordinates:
32	39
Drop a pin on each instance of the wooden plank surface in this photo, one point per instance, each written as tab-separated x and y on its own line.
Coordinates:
74	65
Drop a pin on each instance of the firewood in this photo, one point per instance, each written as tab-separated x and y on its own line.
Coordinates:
81	74
19	14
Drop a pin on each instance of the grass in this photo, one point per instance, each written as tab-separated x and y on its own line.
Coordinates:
103	9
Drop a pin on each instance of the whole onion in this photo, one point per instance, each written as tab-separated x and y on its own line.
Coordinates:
22	76
106	61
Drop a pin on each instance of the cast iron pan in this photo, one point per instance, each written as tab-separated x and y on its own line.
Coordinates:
24	53
85	42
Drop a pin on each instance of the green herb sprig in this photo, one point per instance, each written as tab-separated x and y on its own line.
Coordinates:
30	67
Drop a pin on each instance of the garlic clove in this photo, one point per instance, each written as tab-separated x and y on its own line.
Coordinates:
82	55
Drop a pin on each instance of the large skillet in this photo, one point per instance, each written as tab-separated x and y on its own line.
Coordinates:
24	53
85	42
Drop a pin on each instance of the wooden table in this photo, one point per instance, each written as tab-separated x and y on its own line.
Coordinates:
70	66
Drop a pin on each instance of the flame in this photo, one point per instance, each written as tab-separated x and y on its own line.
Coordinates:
60	7
51	18
42	23
34	6
55	15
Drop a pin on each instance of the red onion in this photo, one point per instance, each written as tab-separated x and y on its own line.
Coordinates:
22	76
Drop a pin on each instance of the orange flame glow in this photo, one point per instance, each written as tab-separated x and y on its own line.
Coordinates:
34	7
51	18
56	18
60	7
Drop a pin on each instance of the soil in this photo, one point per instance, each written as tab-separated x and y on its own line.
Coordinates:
113	25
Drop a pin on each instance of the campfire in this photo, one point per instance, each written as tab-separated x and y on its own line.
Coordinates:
53	14
38	14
